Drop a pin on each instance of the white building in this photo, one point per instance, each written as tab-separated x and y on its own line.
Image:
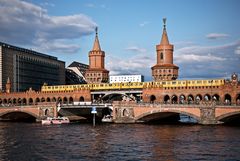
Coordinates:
126	78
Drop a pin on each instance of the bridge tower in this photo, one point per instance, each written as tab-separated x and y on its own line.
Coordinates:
164	69
96	72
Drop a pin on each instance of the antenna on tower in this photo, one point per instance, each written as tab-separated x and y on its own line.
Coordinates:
96	30
164	23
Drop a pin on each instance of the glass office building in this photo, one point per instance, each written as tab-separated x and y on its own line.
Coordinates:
28	69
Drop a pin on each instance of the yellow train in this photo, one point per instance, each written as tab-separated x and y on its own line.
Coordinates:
133	85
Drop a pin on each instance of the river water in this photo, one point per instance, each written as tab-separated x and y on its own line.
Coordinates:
78	141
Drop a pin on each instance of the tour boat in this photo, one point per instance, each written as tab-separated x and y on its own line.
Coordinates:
107	118
55	120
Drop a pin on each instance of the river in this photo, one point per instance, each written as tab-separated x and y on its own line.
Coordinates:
78	141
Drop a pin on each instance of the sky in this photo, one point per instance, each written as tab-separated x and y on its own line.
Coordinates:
205	33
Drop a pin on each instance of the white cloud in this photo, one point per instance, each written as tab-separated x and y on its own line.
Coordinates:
47	4
217	35
237	50
203	50
144	23
26	23
136	49
195	62
197	58
92	5
139	64
207	61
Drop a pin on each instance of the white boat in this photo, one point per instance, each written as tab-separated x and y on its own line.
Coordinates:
107	118
55	120
47	121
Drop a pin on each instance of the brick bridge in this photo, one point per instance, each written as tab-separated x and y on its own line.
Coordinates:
28	112
205	113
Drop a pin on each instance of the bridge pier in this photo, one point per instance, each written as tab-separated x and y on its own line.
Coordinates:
207	116
123	115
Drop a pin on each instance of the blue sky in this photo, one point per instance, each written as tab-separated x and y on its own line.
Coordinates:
205	33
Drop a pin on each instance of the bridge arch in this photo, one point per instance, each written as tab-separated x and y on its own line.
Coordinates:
54	99
182	99
30	101
4	100
81	99
190	99
14	101
229	117
70	100
166	99
151	115
24	101
174	99
227	99
152	98
238	99
13	115
207	97
216	97
9	101
19	101
59	99
43	99
48	99
37	100
198	98
65	100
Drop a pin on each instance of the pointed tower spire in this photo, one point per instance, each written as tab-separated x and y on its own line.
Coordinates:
96	72
164	69
164	40
96	45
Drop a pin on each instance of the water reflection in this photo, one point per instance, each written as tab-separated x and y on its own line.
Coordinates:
21	141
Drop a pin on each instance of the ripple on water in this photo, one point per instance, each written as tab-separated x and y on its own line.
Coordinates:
21	141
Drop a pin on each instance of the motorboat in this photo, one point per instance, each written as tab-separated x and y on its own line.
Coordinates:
55	120
107	118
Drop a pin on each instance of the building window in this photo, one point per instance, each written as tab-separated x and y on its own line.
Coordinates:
161	55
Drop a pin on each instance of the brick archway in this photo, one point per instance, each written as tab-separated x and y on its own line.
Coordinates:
9	112
173	111
228	116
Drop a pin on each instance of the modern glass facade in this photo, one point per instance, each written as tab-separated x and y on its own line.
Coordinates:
28	69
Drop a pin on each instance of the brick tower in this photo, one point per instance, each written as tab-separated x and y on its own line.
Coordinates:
96	72
164	69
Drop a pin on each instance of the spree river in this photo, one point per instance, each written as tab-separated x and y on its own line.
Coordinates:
75	141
